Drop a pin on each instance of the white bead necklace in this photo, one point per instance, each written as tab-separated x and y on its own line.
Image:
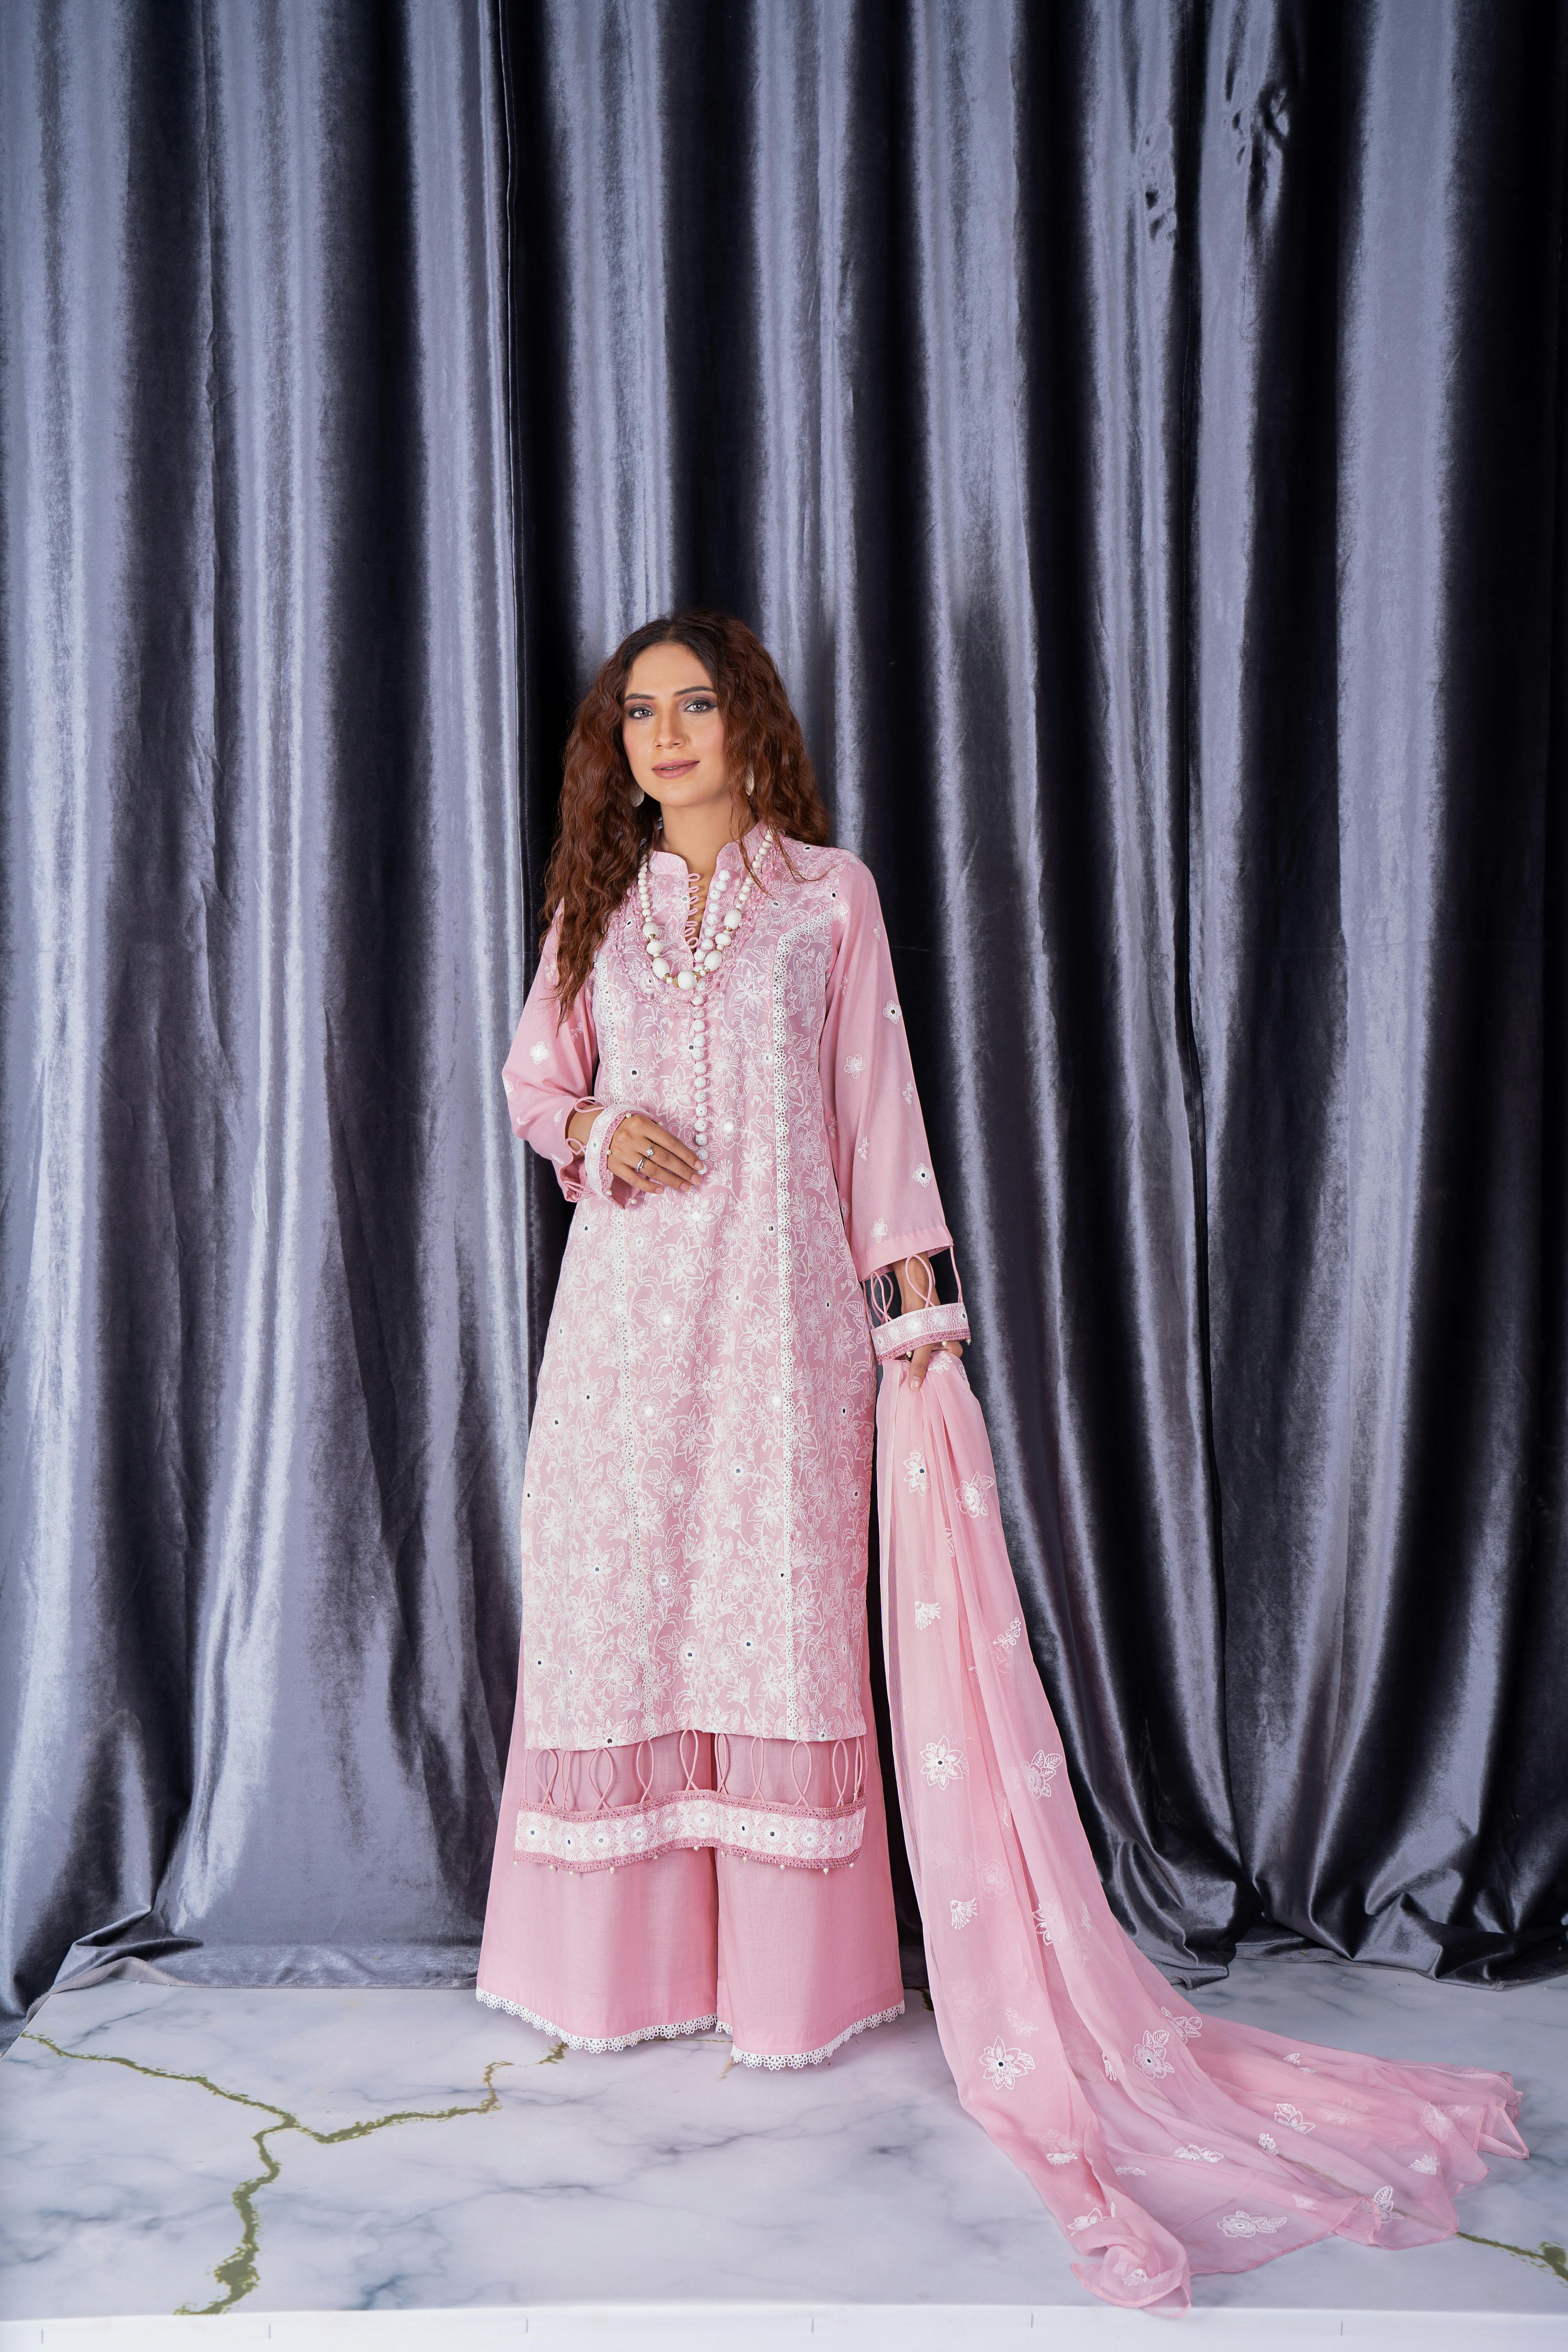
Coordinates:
706	956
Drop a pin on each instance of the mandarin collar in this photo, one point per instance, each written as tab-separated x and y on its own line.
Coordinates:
665	861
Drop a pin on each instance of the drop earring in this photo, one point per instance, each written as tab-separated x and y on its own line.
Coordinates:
639	796
751	783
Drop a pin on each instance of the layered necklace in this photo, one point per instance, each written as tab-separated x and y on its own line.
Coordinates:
714	935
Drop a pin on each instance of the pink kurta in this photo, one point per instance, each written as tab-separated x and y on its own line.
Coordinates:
699	1470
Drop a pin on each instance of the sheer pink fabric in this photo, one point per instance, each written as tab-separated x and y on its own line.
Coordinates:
792	1963
1165	2142
798	1803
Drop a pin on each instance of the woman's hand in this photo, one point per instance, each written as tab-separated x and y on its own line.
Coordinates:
917	1288
648	1158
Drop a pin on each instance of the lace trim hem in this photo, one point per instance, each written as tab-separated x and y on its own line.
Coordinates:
592	2041
920	1329
794	1839
813	2057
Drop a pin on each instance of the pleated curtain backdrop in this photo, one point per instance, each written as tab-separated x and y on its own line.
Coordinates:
264	1411
1138	432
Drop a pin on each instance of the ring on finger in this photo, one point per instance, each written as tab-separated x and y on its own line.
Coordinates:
642	1163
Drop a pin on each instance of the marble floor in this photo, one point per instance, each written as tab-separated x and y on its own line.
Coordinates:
398	2168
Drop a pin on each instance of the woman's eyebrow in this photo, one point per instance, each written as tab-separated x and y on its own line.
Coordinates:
644	694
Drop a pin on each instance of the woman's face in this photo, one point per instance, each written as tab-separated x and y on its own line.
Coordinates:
672	729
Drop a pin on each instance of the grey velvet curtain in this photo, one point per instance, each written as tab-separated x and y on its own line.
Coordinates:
263	1410
1138	431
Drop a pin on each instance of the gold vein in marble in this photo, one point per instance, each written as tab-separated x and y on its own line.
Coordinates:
238	2275
1546	2256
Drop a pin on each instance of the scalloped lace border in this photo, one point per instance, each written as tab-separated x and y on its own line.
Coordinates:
773	2066
814	2057
591	2041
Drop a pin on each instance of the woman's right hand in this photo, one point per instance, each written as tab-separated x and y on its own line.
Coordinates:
642	1153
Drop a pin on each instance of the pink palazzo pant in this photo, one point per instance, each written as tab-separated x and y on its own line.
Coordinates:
790	1962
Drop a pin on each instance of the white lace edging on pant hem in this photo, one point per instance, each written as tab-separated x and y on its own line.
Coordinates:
813	2057
591	2041
691	2025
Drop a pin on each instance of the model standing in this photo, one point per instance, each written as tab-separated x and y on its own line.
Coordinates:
713	1055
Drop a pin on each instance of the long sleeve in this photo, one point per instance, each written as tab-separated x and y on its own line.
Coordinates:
891	1206
550	1069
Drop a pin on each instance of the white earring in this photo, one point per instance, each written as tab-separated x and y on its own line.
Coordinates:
638	796
751	783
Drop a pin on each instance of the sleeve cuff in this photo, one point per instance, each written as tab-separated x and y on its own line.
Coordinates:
924	1327
596	1176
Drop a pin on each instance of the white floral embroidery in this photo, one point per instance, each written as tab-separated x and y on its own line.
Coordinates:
962	1912
1113	2065
1004	2066
890	1009
591	1841
1136	2169
1293	2058
1383	2198
1151	2052
853	1064
972	1494
1024	2025
1435	2121
1007	1643
879	1230
915	1473
926	1613
1266	2141
1186	2022
908	1090
940	1763
1086	2221
1194	2154
1292	2117
921	1174
863	1149
1251	2225
1307	2204
538	1051
1427	2163
1060	2156
1041	1770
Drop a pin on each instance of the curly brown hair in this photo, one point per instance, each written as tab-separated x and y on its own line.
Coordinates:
600	836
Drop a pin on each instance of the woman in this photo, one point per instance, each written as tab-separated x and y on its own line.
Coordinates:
712	1055
736	1113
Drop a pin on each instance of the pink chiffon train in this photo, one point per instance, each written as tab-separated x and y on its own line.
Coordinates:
1164	2142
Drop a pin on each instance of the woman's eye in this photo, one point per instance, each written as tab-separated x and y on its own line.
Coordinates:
700	702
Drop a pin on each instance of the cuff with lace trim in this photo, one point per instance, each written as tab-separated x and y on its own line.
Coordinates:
924	1326
596	1176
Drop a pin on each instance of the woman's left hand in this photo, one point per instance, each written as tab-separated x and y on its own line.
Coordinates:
917	1288
922	1356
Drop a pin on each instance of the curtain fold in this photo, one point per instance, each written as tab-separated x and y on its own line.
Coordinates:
263	1410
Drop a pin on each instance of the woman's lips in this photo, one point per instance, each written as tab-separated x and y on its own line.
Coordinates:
673	767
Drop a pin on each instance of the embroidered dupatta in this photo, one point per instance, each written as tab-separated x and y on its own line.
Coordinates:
1164	2142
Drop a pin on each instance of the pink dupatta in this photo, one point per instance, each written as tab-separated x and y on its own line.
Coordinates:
1164	2142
